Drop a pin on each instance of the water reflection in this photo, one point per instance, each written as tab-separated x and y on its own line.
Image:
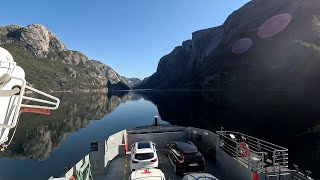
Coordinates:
38	135
290	119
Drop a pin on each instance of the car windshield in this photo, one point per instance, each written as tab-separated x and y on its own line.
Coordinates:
143	145
143	156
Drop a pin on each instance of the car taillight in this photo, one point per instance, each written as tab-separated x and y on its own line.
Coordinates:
154	160
133	161
180	161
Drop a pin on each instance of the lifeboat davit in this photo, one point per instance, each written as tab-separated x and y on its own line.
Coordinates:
13	99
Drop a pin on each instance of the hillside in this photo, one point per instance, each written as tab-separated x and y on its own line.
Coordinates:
264	45
50	66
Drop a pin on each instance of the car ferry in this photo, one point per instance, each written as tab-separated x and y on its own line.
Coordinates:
226	155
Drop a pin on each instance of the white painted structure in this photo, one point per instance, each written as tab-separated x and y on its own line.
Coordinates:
12	94
108	155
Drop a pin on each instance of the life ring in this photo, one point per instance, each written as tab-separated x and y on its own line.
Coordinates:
243	149
72	178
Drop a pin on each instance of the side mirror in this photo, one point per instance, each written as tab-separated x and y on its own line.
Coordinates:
154	144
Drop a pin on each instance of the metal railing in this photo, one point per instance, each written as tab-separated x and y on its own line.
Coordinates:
258	155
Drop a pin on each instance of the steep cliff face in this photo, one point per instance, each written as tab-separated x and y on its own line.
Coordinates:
49	65
34	37
264	44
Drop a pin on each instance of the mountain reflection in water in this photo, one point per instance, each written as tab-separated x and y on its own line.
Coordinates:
38	135
46	144
286	118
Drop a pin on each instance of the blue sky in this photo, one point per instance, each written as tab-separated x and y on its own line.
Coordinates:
130	36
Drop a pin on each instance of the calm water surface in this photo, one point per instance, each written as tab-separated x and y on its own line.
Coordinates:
44	145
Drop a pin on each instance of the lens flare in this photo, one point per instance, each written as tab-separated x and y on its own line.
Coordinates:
241	46
274	25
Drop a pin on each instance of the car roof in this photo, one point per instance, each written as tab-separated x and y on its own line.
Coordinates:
186	147
152	174
143	144
199	176
144	147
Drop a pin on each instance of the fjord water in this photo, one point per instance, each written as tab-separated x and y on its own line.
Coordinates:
44	145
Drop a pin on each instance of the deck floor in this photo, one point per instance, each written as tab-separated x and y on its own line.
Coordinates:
119	168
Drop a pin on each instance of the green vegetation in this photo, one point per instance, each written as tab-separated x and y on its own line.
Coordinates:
51	73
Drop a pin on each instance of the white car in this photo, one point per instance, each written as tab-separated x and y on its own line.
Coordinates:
147	174
199	176
143	155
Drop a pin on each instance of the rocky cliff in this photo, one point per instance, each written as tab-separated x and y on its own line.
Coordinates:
49	65
265	44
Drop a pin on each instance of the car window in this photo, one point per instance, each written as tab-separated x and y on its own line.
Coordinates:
143	145
143	156
176	150
189	156
187	147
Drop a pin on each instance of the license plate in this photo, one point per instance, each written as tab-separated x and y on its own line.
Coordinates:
194	164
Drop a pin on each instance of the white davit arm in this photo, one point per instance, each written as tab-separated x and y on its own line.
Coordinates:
55	103
12	91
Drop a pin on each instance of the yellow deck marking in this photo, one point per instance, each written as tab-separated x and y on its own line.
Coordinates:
126	160
125	165
125	171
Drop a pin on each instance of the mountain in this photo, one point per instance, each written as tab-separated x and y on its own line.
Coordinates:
49	65
134	81
265	44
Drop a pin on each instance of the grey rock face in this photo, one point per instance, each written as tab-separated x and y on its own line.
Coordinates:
75	58
56	44
106	71
134	81
35	37
264	44
176	68
204	42
71	70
